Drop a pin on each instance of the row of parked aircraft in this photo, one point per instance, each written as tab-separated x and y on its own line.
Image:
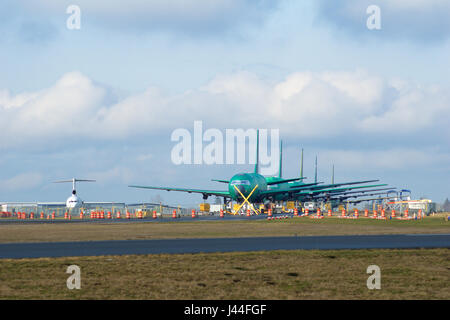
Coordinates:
257	189
254	188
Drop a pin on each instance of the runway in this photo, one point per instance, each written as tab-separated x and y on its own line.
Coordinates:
177	246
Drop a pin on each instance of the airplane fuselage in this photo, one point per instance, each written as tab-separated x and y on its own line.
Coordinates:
242	184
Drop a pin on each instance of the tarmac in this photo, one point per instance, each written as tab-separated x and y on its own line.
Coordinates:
186	246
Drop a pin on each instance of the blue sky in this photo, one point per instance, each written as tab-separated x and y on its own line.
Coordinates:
101	102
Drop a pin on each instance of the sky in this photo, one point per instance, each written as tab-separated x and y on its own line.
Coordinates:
101	101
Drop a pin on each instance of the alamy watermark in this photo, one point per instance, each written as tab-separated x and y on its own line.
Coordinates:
374	20
214	146
73	22
74	281
374	281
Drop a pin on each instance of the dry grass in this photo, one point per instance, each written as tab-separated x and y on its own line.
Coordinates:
405	274
211	229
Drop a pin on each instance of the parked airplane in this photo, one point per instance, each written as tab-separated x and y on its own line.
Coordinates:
255	188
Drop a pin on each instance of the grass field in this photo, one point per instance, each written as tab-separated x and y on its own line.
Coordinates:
211	229
340	274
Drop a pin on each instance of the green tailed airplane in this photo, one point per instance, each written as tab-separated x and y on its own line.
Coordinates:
252	186
256	188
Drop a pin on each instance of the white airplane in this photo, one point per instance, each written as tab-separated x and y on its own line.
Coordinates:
72	203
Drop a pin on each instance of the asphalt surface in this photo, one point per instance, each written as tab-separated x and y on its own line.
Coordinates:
176	246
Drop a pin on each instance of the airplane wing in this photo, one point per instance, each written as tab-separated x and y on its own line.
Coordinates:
99	204
307	186
205	193
336	190
51	204
337	184
283	181
149	204
221	181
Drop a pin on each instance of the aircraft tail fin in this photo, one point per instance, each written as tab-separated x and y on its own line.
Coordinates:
257	152
280	173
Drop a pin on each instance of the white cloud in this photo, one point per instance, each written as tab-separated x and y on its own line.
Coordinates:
346	104
425	20
386	159
181	16
22	181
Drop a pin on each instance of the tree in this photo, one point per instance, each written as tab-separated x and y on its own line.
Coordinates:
446	205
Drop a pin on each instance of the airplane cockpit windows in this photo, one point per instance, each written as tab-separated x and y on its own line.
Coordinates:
240	182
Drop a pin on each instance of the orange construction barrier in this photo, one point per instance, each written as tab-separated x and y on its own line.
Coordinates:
343	213
356	214
318	212
248	212
118	215
306	212
406	214
193	213
128	215
393	213
221	213
295	212
31	215
366	213
330	213
108	215
81	214
375	214
174	214
53	215
269	213
383	213
66	215
42	215
154	214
